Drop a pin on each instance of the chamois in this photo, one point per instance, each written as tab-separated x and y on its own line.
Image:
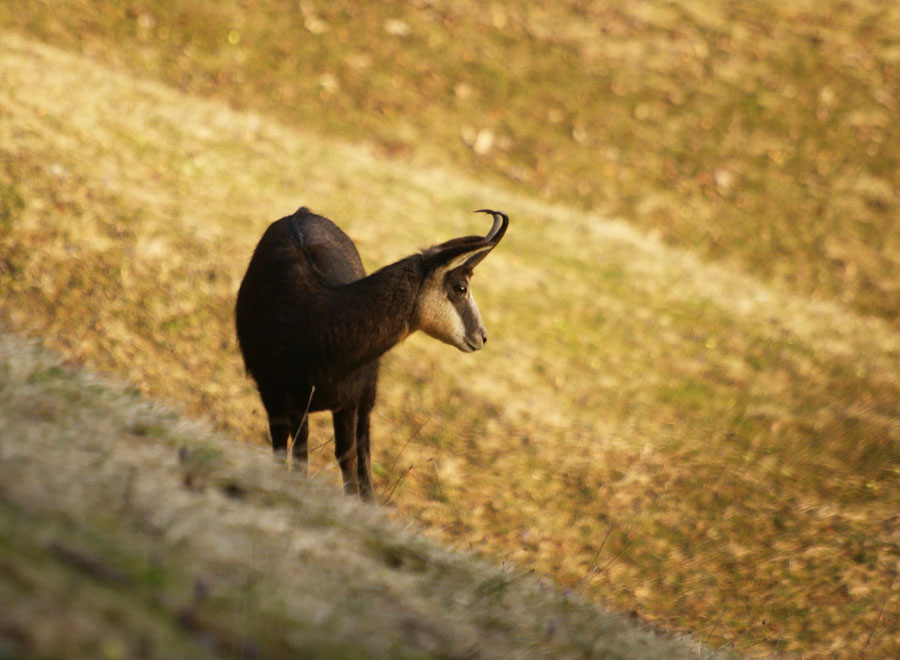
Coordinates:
312	325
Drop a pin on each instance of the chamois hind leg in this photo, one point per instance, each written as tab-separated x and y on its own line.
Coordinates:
363	448
345	447
299	408
275	404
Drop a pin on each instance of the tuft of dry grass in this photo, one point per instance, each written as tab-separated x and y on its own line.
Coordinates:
740	440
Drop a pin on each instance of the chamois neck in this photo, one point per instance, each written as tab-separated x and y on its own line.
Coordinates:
373	314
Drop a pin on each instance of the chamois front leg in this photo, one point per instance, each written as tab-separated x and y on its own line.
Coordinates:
345	447
363	448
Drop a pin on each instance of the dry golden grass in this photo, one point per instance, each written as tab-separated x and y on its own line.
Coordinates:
676	438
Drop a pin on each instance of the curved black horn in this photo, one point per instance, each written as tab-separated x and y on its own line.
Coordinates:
501	220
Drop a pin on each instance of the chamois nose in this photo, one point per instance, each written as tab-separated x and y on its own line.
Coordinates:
483	337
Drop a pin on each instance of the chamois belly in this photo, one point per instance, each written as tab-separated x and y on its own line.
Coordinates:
336	394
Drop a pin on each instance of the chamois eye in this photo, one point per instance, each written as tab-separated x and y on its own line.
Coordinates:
460	289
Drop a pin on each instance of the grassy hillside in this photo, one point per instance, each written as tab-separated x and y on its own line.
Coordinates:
126	532
674	437
760	133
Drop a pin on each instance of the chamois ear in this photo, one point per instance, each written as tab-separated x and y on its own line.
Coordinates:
451	259
468	250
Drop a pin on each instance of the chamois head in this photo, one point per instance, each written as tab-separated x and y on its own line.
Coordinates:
445	307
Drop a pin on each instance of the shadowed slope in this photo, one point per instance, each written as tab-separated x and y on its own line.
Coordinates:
128	532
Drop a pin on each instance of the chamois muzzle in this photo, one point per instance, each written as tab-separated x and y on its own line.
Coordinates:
476	334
